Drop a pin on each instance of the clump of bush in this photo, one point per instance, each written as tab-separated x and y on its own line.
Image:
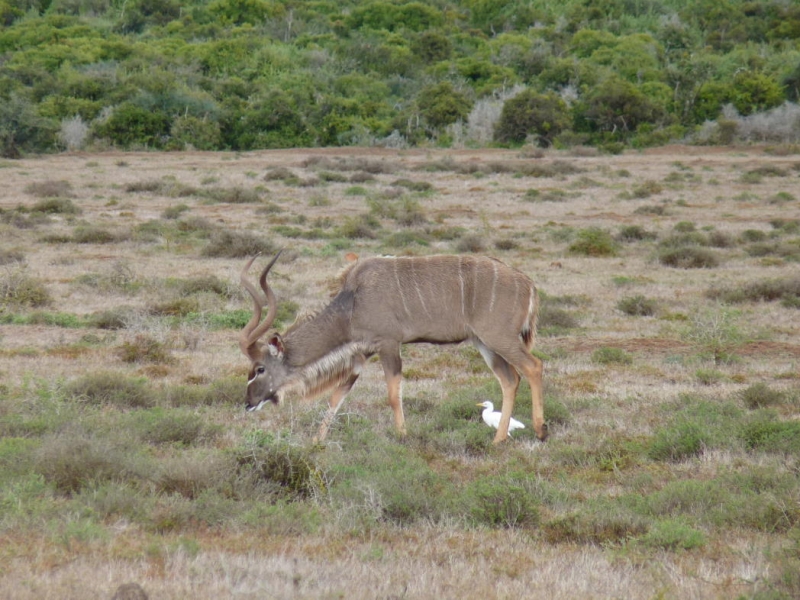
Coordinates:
233	195
178	307
113	318
145	349
688	257
673	534
760	395
471	243
116	389
50	189
360	227
677	442
71	462
611	356
281	470
90	234
502	502
554	319
637	306
56	206
19	289
229	244
768	434
8	257
787	290
634	233
594	242
157	426
600	523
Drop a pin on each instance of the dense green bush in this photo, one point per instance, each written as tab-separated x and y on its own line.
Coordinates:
133	125
246	74
442	104
594	242
528	113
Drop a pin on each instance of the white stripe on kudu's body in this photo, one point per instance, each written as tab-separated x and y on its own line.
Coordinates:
386	302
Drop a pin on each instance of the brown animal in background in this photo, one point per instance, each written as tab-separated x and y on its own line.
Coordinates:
389	301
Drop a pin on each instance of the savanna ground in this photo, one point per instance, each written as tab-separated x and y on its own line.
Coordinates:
669	328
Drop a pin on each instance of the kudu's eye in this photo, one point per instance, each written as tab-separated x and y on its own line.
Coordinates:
260	370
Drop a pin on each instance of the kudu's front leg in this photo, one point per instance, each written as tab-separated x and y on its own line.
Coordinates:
337	398
393	371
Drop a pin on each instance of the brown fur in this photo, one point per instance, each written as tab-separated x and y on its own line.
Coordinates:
385	302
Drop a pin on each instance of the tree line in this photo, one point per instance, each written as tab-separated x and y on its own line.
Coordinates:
252	74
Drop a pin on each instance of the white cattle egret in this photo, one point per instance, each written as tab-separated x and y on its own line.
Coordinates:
492	418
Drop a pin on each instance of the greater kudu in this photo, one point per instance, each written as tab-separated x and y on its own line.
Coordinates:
383	303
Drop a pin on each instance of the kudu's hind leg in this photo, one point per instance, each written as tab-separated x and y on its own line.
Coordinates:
337	399
509	383
531	368
393	371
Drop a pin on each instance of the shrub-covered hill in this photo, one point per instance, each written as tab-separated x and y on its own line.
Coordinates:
247	74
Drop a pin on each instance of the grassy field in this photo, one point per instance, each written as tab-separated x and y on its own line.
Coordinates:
670	330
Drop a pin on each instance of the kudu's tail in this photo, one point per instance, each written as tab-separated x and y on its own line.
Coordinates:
528	333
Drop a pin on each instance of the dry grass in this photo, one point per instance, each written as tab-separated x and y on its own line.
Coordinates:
672	393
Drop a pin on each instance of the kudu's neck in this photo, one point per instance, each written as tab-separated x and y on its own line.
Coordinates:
322	335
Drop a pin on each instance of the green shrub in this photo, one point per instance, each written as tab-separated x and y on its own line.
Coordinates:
611	356
599	523
281	469
8	256
71	462
145	349
193	472
502	501
90	234
228	244
471	243
441	104
530	113
179	307
677	442
593	242
760	395
56	206
233	195
688	257
22	129
19	289
715	333
189	132
506	244
554	320
159	426
646	189
173	212
637	306
114	318
673	534
767	434
116	389
361	227
766	290
634	233
132	125
50	188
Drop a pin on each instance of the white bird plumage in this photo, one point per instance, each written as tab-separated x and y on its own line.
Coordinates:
492	418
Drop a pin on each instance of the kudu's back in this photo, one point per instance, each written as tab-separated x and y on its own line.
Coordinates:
440	299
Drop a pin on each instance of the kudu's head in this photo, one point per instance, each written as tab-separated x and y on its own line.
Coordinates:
268	370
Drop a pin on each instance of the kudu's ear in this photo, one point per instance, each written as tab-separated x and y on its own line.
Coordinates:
275	345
